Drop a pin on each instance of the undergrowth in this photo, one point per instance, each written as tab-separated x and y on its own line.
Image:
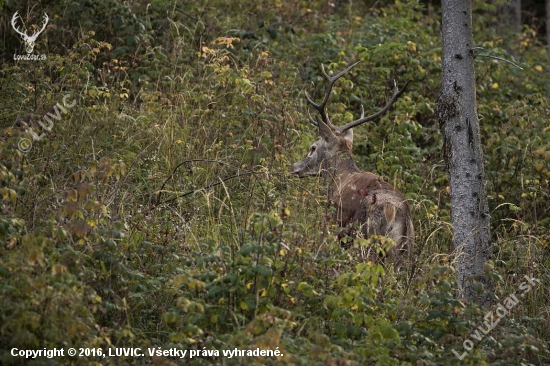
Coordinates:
158	210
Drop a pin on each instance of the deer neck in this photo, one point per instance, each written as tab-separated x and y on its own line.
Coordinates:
338	168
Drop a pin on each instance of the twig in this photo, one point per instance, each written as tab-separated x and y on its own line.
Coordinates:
214	184
187	14
502	59
185	162
374	5
496	58
221	180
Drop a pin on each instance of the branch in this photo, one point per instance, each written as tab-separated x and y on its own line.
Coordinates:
496	58
185	162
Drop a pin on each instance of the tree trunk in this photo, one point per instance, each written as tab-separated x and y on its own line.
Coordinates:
458	122
508	16
516	11
548	29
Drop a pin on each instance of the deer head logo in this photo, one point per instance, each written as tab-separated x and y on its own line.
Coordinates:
29	40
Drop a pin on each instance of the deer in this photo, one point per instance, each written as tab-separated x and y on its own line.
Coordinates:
363	200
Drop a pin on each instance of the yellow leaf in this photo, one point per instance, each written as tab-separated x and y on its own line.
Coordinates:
227	41
8	193
495	86
58	269
122	167
179	279
34	256
538	68
80	228
70	208
70	195
243	305
265	74
83	189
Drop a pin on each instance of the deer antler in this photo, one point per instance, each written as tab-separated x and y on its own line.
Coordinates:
321	106
364	119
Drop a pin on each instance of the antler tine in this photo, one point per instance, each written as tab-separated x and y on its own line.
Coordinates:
330	123
311	120
310	100
331	80
364	119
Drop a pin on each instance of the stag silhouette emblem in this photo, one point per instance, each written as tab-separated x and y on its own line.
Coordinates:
29	40
363	200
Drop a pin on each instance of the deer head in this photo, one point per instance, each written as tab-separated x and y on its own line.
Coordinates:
334	140
29	40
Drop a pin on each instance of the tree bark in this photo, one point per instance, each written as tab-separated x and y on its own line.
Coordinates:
516	11
458	122
548	29
508	16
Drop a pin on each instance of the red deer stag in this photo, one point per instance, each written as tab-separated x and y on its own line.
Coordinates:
361	198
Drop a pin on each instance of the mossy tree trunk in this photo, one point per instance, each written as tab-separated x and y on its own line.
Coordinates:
458	122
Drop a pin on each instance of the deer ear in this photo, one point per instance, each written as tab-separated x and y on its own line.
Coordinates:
325	131
349	135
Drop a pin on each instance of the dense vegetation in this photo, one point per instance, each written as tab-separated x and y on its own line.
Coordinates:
158	212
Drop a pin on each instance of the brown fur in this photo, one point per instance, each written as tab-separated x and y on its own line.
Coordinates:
361	198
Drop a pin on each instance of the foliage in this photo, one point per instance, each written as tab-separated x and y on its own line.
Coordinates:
206	101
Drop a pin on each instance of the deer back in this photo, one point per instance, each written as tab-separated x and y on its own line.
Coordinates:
364	200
